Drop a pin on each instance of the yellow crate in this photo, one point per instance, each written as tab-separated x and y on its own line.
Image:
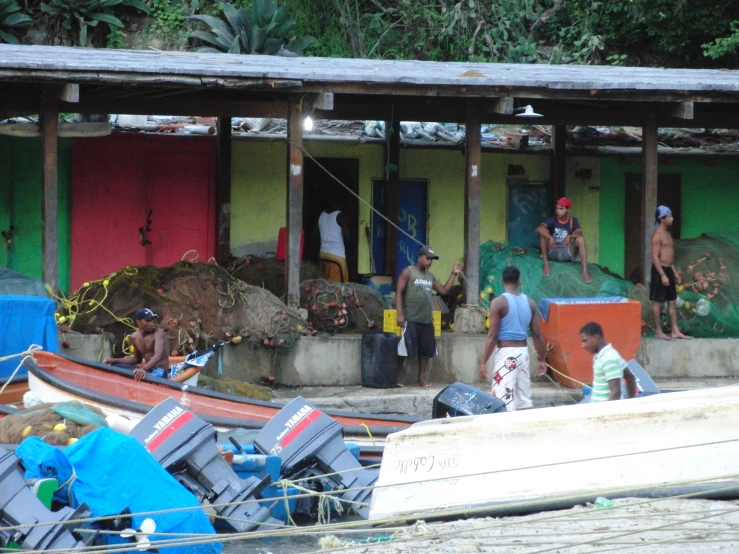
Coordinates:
390	324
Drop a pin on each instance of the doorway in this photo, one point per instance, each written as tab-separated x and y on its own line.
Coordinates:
529	204
668	194
320	191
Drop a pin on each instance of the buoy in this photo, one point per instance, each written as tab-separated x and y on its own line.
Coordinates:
60	427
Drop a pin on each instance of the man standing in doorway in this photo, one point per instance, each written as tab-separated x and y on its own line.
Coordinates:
511	316
561	239
609	368
415	311
333	228
663	287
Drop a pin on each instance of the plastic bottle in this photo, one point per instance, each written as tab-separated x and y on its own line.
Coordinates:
603	503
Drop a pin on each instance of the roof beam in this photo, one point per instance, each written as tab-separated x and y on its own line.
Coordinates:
64	92
502	105
684	110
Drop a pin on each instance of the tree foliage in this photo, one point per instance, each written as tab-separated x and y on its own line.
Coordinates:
78	15
11	20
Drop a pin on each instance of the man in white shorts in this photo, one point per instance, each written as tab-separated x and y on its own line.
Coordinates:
511	316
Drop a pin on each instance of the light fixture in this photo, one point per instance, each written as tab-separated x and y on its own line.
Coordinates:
528	111
308	123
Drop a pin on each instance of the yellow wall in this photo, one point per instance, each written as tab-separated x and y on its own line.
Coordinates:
258	193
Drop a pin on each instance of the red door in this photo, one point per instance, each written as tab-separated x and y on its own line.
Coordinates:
118	180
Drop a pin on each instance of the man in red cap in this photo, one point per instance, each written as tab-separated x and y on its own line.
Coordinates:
561	239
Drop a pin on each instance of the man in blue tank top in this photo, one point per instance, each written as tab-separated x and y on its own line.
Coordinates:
511	316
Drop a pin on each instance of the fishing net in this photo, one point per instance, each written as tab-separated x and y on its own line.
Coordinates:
198	304
340	307
58	424
708	299
269	273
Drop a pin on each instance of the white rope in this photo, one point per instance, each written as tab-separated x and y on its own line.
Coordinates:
28	354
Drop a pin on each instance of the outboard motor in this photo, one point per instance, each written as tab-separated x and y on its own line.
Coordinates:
301	435
459	399
20	507
185	445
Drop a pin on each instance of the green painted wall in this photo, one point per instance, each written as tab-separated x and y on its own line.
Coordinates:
20	205
709	191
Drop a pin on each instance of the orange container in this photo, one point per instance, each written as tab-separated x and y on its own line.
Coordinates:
621	322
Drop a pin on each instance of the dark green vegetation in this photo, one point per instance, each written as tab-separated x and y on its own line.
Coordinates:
676	33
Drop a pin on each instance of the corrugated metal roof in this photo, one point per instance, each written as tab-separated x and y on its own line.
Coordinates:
360	75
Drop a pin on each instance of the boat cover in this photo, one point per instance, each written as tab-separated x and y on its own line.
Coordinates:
26	320
113	471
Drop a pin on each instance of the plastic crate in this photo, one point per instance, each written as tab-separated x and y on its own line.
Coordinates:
390	324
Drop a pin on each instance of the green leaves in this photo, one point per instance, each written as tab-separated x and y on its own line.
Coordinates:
11	20
81	14
262	28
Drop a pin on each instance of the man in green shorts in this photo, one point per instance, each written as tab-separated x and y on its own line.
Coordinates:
413	302
609	368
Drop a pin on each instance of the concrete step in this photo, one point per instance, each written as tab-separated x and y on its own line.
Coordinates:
414	400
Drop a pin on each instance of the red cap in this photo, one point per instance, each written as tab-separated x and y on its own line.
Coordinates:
565	202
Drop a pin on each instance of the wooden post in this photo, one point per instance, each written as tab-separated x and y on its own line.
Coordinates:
559	160
49	116
294	203
392	194
648	192
223	190
473	158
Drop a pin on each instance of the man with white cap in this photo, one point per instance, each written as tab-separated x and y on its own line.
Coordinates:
561	239
150	345
664	281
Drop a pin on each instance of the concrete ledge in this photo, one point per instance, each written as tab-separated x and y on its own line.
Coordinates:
690	358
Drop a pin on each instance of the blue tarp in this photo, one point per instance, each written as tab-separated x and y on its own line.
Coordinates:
25	320
112	472
544	303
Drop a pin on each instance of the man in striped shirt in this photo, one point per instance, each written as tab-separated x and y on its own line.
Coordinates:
609	368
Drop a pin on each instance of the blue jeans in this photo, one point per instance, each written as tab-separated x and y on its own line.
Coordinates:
156	372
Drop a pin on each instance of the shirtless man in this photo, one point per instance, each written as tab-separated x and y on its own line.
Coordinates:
561	239
150	343
665	278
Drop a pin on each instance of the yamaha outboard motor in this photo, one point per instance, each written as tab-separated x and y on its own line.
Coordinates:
20	507
459	399
185	445
301	435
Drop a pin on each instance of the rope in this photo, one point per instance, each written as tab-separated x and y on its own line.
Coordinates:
25	355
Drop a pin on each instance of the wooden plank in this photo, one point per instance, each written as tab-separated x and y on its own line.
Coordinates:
648	192
294	216
223	190
559	160
392	195
182	106
64	92
323	101
503	106
49	115
473	162
684	110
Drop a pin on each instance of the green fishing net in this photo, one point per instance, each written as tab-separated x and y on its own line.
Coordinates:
708	299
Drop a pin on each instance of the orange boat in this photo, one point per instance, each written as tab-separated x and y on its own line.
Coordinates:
13	389
57	378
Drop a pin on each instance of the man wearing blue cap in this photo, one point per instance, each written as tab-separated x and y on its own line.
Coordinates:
663	286
150	343
415	315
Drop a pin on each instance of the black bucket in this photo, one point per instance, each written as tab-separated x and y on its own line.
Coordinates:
379	360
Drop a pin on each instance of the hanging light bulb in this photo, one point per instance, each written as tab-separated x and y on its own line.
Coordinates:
308	123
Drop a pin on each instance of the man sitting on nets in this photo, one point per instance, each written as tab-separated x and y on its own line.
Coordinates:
150	343
561	239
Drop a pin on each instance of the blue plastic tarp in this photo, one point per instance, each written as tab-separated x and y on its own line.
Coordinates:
544	303
113	471
26	320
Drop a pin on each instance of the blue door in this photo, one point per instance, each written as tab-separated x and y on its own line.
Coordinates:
529	205
412	218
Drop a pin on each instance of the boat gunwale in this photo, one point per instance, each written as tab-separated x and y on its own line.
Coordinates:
232	397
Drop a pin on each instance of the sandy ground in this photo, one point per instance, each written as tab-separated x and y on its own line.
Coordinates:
632	525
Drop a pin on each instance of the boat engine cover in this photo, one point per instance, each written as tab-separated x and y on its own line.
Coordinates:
460	399
302	435
185	445
19	506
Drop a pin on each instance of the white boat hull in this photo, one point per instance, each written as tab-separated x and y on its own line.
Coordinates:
534	459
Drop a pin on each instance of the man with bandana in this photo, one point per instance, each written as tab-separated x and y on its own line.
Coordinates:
561	239
663	286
